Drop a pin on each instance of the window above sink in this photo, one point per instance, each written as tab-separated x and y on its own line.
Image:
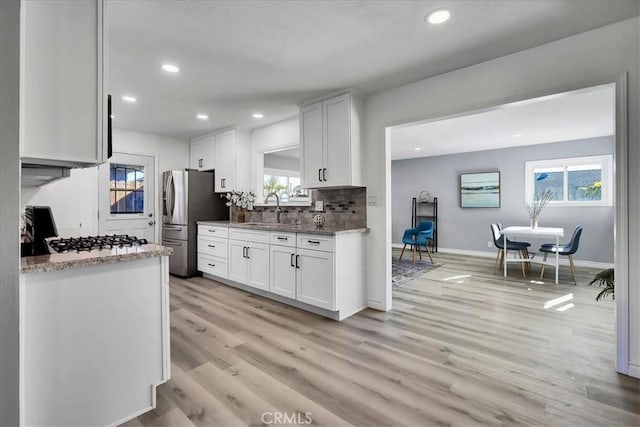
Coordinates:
280	174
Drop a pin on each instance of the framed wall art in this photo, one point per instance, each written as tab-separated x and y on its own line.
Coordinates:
480	190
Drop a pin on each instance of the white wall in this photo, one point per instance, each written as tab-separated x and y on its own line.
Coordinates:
595	57
268	138
9	205
74	200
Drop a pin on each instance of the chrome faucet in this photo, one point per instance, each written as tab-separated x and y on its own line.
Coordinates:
278	210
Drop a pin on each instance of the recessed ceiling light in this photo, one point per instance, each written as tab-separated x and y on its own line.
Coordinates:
258	115
438	16
129	98
417	149
517	135
202	116
170	68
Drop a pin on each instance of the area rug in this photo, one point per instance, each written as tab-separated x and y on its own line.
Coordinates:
403	271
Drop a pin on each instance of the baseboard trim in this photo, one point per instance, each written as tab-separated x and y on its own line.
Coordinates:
376	305
486	254
634	370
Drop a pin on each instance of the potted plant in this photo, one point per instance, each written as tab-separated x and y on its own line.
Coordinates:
242	200
605	278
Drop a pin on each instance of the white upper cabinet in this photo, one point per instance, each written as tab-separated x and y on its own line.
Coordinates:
231	160
202	153
312	147
63	102
330	142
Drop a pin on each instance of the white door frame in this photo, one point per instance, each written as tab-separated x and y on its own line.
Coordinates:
621	203
158	197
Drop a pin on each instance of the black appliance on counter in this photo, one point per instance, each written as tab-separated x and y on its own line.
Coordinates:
39	226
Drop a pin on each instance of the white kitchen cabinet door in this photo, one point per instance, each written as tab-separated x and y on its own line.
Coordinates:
312	145
336	141
225	161
283	271
197	155
202	154
258	254
63	101
238	261
314	279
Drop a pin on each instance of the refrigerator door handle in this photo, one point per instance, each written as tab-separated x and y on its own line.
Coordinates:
170	196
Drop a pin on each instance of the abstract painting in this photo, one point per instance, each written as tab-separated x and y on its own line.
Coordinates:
480	190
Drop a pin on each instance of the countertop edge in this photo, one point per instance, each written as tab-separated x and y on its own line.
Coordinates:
266	227
98	259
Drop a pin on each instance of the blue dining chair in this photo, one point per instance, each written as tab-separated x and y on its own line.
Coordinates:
414	238
498	242
426	228
567	249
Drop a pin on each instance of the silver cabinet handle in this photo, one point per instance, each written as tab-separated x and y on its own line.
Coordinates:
211	265
212	231
199	163
212	246
282	238
292	264
313	242
324	174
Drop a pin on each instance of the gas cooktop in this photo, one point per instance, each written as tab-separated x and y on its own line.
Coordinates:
90	243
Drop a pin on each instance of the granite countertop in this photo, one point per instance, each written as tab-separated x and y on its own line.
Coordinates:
327	230
63	261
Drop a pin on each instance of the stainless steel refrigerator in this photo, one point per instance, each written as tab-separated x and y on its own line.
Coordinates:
188	196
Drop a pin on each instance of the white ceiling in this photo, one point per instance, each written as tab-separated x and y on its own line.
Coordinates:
587	113
239	57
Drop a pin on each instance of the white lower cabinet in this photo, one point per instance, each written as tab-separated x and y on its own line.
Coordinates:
283	271
258	254
249	263
238	263
315	282
321	271
304	275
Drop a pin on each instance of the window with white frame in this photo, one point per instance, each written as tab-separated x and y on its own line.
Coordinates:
576	181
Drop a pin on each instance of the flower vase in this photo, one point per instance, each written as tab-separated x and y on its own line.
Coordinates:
534	223
241	217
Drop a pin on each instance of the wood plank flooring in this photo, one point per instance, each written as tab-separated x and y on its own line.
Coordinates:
475	350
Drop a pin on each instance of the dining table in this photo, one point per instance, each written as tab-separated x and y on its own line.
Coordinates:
532	232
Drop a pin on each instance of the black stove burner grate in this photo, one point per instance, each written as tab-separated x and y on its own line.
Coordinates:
85	244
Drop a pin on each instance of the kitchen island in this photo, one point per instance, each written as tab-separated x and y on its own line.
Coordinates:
318	269
94	334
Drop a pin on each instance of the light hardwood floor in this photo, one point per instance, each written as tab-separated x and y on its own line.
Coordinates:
478	350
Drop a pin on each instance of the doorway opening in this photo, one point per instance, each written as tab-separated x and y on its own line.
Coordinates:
470	143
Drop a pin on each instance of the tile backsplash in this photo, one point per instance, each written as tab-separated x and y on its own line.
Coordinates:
343	208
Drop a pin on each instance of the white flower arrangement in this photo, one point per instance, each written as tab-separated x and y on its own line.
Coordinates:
540	201
240	199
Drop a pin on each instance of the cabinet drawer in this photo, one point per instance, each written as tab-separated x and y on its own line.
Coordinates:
213	231
213	246
283	239
213	265
315	242
248	235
